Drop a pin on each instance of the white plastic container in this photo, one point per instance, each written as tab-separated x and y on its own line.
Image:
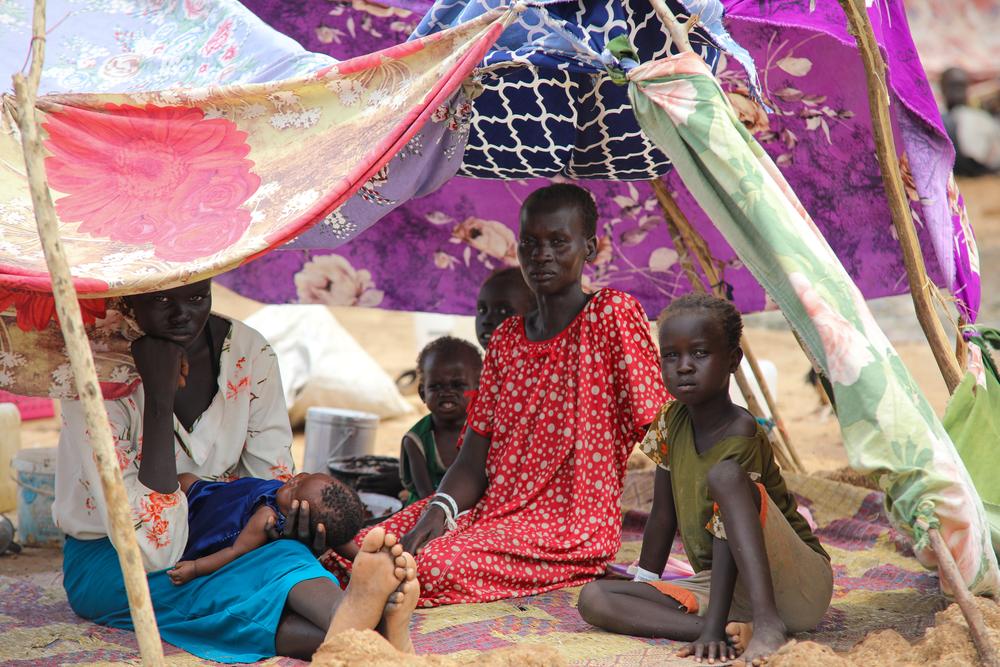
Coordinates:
10	443
335	433
36	478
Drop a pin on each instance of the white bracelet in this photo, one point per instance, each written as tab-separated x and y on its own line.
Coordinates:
448	499
645	575
449	518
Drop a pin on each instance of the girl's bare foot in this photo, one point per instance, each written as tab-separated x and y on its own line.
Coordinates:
374	576
739	635
395	625
768	637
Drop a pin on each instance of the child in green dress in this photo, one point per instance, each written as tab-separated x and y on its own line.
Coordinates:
447	370
759	570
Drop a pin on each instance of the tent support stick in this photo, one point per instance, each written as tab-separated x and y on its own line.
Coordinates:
948	571
860	26
81	358
687	241
961	347
772	405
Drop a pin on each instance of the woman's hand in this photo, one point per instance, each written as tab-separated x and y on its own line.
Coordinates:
161	364
431	525
297	527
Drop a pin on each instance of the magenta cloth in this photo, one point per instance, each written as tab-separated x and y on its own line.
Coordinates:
432	253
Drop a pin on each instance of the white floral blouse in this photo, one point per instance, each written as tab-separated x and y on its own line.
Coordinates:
243	433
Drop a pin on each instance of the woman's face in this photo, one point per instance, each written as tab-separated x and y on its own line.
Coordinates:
553	250
177	315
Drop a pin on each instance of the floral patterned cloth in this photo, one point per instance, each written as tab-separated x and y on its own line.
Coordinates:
562	416
155	187
243	433
889	428
818	131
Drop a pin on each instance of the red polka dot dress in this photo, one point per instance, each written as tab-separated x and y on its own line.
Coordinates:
562	416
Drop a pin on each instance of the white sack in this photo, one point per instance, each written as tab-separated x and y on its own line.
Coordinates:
322	365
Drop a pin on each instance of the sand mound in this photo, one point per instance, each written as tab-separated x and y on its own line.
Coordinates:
947	644
355	648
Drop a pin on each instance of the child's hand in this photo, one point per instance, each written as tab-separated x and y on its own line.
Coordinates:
183	572
709	647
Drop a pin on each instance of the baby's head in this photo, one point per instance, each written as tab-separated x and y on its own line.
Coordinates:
699	347
448	367
557	237
503	295
331	502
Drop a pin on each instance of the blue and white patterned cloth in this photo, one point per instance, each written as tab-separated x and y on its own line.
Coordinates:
548	106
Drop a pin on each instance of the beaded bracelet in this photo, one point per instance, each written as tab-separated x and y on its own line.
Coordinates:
449	518
441	496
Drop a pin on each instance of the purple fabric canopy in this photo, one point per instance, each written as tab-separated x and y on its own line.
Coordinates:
432	253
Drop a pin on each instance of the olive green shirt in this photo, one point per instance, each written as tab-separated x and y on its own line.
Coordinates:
670	443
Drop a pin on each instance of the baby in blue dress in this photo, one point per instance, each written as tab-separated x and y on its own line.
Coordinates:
229	519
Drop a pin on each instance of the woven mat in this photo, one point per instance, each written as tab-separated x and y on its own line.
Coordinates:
877	585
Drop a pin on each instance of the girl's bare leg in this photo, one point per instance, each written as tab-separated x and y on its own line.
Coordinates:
638	609
739	503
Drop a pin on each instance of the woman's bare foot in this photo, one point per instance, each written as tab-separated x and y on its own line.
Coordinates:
768	637
395	625
739	635
375	575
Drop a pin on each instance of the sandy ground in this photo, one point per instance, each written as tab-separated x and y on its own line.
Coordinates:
390	338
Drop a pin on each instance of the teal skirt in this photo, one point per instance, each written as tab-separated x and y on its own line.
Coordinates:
228	616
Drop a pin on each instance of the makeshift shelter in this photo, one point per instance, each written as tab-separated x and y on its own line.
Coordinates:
888	427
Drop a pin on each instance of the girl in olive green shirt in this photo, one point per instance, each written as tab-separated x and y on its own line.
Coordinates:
759	571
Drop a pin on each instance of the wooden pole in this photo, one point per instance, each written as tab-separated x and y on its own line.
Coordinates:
860	26
948	572
688	241
961	347
81	358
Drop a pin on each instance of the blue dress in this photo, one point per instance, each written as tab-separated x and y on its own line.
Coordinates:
228	616
218	512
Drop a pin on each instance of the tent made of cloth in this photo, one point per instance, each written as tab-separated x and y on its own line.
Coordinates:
818	132
889	429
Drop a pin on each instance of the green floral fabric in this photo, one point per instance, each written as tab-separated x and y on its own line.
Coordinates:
889	428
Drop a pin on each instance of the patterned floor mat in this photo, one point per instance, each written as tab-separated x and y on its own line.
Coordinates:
878	584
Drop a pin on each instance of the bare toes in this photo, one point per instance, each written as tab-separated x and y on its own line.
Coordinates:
374	540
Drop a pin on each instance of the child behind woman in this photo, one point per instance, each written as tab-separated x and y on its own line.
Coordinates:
447	369
502	295
754	556
229	519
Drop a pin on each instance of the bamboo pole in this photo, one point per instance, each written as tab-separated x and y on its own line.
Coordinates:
688	241
859	25
948	572
81	358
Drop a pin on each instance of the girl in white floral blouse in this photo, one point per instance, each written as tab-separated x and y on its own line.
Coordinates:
210	403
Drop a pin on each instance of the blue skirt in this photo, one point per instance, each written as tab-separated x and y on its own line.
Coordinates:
228	616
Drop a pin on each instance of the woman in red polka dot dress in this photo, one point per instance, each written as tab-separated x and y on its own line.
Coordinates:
566	392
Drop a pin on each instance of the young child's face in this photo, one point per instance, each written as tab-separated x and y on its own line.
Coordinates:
443	385
499	298
695	358
553	250
306	487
